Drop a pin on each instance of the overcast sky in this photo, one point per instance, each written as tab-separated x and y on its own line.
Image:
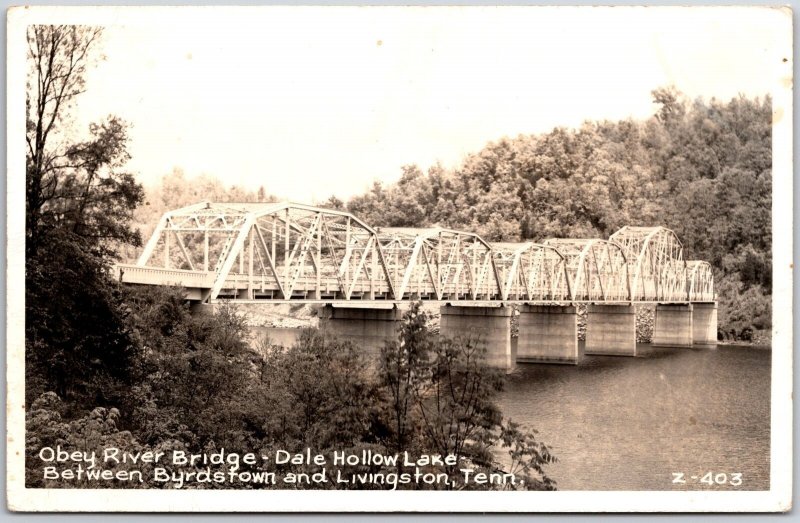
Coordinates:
310	103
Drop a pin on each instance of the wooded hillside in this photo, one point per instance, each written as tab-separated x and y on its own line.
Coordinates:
702	169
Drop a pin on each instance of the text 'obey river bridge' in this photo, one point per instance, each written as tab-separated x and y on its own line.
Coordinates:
279	252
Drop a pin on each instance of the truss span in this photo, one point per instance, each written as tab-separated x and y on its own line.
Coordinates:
532	272
700	281
655	261
268	251
288	251
439	264
597	269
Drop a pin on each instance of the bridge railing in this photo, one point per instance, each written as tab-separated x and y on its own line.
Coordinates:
128	273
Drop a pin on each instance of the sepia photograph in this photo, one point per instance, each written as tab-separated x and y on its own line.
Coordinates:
421	258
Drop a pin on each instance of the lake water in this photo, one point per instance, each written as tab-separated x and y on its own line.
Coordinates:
618	423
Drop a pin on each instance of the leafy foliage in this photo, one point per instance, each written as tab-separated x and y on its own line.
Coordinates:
441	399
78	209
403	371
73	185
200	387
78	342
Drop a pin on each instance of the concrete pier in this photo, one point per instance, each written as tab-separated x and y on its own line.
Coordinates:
611	330
200	309
490	325
366	327
673	326
548	334
704	324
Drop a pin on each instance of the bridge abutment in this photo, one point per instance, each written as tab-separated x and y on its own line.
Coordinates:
611	330
704	324
548	334
491	326
367	328
673	325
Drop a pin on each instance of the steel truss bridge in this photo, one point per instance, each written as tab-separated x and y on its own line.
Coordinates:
287	251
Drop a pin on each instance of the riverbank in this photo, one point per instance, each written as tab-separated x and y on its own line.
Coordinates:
761	345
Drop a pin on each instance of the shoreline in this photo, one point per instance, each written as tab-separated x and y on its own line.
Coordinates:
749	344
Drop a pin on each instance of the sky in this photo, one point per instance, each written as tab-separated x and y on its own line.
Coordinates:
313	102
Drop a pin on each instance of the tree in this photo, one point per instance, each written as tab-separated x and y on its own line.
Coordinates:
58	57
671	104
403	372
73	186
78	343
79	206
334	203
457	406
328	399
195	375
441	400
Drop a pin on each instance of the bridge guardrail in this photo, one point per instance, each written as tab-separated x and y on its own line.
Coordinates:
129	273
